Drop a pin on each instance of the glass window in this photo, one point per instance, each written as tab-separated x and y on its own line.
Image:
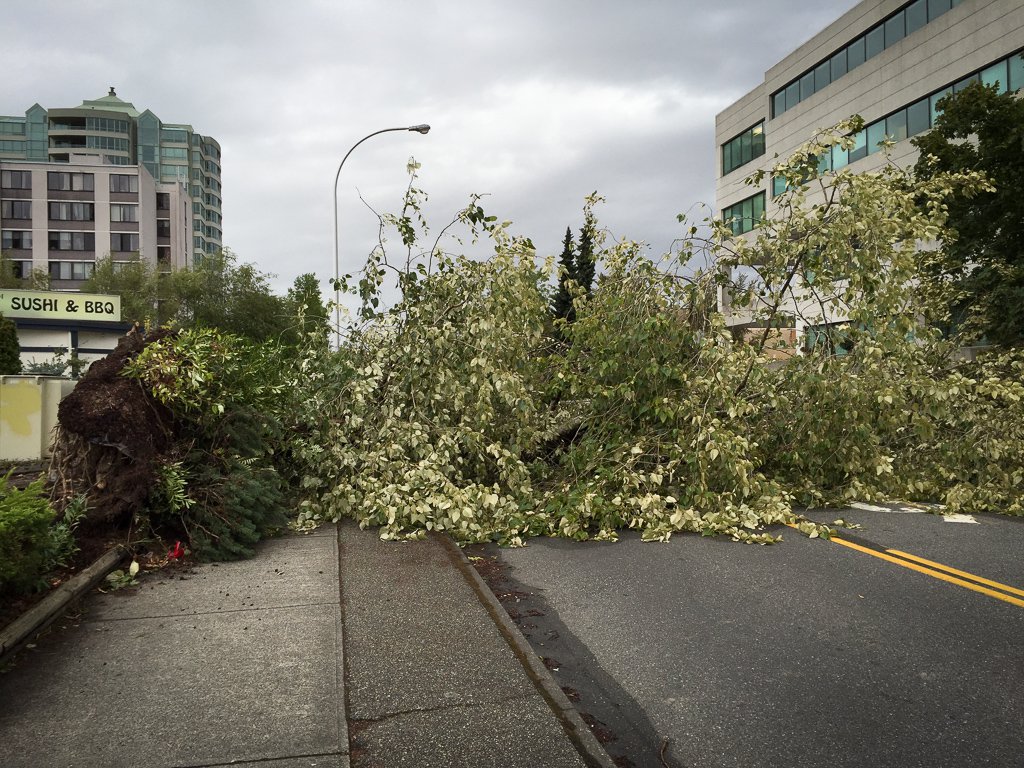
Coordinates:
874	42
120	212
934	101
16	209
779	103
16	179
917	16
807	86
123	182
996	75
859	148
822	75
744	147
778	185
757	140
965	82
840	157
72	241
735	152
838	65
1017	72
895	29
792	94
855	54
876	133
124	242
742	216
14	238
918	115
896	125
936	8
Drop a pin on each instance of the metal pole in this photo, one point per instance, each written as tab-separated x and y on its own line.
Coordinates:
337	271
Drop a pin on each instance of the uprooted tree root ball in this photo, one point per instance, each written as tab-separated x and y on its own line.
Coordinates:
112	437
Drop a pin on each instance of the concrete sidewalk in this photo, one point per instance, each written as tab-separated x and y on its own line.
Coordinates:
243	664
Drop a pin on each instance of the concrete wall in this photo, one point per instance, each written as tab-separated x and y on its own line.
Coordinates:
28	414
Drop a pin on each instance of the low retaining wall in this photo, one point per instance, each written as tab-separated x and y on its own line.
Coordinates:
28	414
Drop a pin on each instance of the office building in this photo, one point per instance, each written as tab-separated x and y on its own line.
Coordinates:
889	61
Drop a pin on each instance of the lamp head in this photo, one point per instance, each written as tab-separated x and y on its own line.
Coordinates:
419	128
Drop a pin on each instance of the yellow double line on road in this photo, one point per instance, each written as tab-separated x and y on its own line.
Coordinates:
944	572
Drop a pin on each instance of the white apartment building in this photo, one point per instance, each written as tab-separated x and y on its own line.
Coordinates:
888	61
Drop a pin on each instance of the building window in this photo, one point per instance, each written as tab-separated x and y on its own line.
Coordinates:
72	212
735	152
11	129
72	182
15	238
20	270
124	242
71	270
907	20
72	241
743	216
16	179
121	212
16	209
163	227
123	182
163	201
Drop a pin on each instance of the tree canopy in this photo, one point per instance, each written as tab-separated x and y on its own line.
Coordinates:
980	265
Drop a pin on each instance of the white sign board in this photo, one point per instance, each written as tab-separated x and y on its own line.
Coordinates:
57	305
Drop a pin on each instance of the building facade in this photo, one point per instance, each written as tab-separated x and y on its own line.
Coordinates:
889	61
111	132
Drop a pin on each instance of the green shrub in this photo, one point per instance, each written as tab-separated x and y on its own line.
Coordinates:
25	540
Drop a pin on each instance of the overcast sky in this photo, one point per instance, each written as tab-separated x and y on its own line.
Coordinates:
534	103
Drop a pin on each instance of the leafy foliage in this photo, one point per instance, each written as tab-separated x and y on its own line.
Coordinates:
10	350
32	542
453	411
223	488
979	269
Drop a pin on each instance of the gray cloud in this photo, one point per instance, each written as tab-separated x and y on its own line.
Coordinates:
536	103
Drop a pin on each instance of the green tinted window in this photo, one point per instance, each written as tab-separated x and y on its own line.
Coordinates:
860	147
895	29
996	75
896	125
855	53
838	65
876	133
874	42
934	100
918	115
1017	72
916	15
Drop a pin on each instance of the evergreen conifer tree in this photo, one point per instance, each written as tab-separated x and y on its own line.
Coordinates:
585	266
562	307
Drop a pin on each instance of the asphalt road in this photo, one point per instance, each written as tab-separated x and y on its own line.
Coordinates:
705	653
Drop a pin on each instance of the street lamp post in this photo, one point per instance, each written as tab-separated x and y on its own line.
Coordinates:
337	272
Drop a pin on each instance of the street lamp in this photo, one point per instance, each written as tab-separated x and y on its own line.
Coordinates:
423	128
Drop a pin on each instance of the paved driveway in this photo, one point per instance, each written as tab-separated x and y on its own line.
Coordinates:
809	653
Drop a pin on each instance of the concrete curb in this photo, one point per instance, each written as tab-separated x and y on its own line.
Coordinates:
16	634
583	739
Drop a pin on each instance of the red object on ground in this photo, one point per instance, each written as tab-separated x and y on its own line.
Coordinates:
177	551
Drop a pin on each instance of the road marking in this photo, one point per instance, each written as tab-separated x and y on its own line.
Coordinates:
955	517
930	572
955	572
898	558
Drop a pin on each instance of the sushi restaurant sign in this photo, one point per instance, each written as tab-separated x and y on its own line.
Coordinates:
56	305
